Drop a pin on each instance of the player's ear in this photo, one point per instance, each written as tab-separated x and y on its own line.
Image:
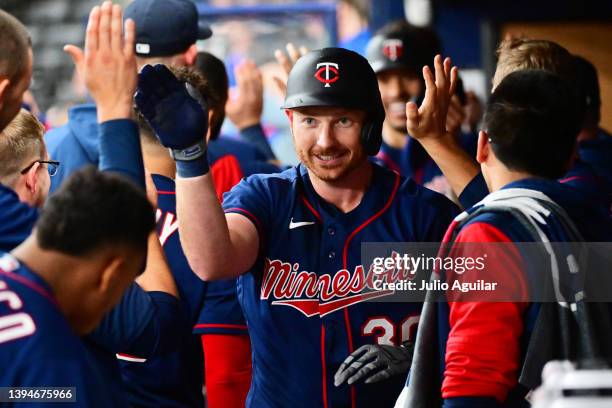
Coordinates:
190	55
289	114
4	85
210	121
111	272
482	151
31	181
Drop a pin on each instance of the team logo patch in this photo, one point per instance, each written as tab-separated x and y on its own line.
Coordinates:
393	48
319	295
327	73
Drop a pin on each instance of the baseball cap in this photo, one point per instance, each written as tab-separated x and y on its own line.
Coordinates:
165	27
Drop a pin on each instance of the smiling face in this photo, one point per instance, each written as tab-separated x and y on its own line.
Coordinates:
328	140
397	87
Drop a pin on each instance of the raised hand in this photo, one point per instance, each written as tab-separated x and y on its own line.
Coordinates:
108	64
179	121
287	61
245	110
429	120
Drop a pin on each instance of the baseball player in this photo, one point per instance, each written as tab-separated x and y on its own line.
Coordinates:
460	169
397	54
213	306
148	318
492	353
60	282
293	238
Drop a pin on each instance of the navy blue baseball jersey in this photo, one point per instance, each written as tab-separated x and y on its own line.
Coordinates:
37	346
413	161
212	308
581	177
303	298
16	219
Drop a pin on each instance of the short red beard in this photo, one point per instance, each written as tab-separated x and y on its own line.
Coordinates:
338	173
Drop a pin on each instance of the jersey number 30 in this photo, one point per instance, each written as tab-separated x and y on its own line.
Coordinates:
16	325
385	331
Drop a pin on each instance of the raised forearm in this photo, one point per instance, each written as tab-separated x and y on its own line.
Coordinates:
157	275
204	232
456	165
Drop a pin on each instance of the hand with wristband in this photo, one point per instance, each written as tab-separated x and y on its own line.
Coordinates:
178	115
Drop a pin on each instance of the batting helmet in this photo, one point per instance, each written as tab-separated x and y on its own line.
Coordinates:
400	45
342	78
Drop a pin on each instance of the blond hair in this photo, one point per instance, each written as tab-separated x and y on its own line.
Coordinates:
21	141
523	53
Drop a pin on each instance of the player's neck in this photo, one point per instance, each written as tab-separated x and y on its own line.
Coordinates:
393	137
54	270
347	193
500	178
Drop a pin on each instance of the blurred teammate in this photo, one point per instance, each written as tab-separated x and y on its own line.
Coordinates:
166	32
15	66
144	323
397	54
460	169
60	282
213	307
305	225
594	143
492	353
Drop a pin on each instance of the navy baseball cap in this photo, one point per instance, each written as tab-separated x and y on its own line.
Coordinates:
165	27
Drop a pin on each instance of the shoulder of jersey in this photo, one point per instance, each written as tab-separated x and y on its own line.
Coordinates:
287	177
409	190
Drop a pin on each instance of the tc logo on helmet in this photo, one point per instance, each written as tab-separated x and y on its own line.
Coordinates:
327	67
393	48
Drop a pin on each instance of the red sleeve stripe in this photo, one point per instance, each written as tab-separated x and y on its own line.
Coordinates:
220	326
248	214
131	359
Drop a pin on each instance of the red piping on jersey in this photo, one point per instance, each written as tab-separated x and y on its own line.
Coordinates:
166	192
32	285
388	161
220	326
418	175
248	213
344	265
129	356
311	208
323	366
572	178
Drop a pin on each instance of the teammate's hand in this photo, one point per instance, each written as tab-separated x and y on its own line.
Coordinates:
429	120
245	110
287	62
179	121
374	363
108	64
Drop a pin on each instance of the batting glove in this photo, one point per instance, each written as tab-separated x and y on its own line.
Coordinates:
177	116
374	363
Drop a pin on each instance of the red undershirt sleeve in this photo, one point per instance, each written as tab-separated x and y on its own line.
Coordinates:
483	346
